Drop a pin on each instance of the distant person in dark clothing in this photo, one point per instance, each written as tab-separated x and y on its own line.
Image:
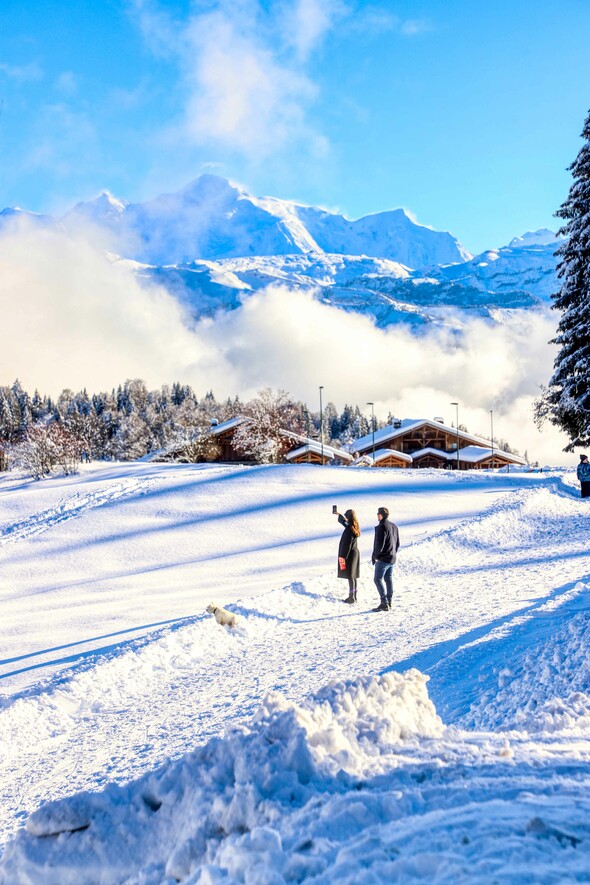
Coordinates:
584	475
348	552
385	548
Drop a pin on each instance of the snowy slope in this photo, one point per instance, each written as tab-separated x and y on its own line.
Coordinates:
357	780
519	274
214	218
512	278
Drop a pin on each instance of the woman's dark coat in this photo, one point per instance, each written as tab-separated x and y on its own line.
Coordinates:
348	550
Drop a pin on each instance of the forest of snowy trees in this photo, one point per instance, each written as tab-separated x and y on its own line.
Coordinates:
40	434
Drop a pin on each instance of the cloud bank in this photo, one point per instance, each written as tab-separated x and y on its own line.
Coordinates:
72	317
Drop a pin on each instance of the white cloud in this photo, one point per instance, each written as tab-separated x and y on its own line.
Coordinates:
376	19
305	23
244	70
71	318
414	27
67	83
27	73
241	95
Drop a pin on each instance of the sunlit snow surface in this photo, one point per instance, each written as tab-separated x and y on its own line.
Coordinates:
307	744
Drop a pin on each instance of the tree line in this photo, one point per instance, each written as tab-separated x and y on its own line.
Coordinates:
40	434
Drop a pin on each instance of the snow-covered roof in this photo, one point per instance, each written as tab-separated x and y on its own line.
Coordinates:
311	446
382	454
407	424
476	454
430	450
473	454
216	429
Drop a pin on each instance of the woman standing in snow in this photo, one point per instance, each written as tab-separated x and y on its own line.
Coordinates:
583	472
348	553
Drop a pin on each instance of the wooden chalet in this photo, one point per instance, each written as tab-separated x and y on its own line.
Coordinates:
431	443
296	449
224	436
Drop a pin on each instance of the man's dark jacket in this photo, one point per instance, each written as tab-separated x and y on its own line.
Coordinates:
386	542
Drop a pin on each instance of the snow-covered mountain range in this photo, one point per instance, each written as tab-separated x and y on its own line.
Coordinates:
505	279
213	218
212	244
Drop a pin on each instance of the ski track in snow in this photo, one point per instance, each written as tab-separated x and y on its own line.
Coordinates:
72	507
117	716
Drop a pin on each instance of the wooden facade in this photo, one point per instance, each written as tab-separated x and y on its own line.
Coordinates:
427	436
431	459
227	451
430	443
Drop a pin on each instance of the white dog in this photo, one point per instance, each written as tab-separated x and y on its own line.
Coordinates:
222	616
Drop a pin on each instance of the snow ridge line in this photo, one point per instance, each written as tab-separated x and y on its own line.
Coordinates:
69	508
447	534
553	485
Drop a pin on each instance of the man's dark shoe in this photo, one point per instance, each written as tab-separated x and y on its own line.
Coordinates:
382	607
350	599
389	605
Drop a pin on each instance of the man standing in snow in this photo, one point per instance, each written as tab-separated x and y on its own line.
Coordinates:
584	475
385	548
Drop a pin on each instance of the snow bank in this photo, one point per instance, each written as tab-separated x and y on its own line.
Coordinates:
546	689
222	800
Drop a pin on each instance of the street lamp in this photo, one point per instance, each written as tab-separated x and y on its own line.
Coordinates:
492	434
322	423
457	424
373	427
307	428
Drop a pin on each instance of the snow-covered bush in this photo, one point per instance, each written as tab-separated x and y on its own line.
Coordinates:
45	448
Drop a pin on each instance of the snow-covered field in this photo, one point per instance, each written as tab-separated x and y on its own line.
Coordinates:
141	742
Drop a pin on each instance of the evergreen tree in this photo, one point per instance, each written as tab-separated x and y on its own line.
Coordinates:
566	400
23	407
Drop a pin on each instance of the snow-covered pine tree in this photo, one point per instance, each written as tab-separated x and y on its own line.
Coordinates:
566	400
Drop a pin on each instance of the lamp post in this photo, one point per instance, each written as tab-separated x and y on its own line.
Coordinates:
322	424
492	434
373	427
457	425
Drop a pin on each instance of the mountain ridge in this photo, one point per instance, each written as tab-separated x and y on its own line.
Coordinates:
244	244
214	218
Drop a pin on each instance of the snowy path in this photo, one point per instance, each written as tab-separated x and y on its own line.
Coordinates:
514	550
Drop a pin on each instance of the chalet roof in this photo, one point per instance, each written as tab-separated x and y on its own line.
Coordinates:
316	448
410	424
216	429
438	453
382	454
231	423
476	454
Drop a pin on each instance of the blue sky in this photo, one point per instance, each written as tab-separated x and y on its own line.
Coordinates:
465	113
